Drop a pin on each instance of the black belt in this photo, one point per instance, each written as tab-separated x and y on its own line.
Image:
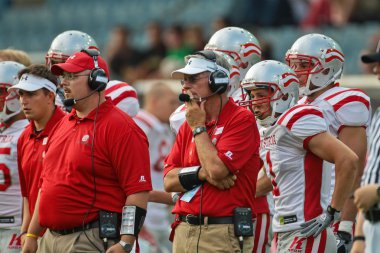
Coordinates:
92	224
196	220
373	215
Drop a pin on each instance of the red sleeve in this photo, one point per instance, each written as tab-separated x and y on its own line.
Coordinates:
239	142
21	175
129	154
173	160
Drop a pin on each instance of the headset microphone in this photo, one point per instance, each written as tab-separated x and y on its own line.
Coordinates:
184	97
73	101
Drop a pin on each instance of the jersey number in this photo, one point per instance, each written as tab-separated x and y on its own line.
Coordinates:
7	177
276	190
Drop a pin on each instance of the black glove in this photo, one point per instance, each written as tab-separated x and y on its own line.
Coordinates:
343	242
315	226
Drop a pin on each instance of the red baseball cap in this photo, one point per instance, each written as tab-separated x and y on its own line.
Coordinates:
79	62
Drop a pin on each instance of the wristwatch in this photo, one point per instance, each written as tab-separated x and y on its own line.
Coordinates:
126	246
198	130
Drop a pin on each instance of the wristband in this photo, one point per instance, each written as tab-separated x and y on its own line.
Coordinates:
32	235
23	233
188	177
359	238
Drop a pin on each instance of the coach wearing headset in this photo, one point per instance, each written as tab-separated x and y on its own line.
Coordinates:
97	159
214	162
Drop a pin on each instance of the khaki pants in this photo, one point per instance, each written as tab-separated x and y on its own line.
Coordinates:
213	238
77	242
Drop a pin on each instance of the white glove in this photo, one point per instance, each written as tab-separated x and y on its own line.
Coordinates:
315	226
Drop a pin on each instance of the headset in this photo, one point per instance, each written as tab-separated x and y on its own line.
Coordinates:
219	79
97	80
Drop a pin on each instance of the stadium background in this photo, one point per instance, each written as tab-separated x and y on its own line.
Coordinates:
31	25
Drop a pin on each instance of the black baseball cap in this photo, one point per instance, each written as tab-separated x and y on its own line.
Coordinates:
370	58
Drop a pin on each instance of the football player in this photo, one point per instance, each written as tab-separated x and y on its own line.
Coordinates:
318	62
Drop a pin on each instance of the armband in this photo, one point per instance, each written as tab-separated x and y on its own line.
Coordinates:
132	220
358	238
188	177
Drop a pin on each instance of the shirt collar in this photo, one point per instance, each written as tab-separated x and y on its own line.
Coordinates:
103	108
226	110
57	115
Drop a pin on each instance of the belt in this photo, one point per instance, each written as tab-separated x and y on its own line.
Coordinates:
196	220
373	215
92	224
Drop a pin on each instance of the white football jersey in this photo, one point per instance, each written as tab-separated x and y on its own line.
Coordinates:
10	192
342	107
124	96
161	140
300	181
177	118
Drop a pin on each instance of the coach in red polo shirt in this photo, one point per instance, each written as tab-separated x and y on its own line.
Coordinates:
223	139
97	159
37	90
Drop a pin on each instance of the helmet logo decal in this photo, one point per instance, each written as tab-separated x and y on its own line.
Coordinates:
251	48
332	54
288	78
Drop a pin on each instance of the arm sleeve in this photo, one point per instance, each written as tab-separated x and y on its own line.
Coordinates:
305	123
353	108
23	187
130	159
174	159
240	140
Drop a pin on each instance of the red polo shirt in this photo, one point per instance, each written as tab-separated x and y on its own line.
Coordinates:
237	141
31	149
121	165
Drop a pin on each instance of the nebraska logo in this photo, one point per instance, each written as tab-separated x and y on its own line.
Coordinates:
296	245
15	242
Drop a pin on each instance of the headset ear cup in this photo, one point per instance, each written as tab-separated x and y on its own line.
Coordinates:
218	81
97	80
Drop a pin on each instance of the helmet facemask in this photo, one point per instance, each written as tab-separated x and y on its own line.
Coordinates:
321	60
9	103
273	94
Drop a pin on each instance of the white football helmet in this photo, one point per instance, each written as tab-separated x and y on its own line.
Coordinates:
322	58
9	101
238	43
234	73
66	44
282	83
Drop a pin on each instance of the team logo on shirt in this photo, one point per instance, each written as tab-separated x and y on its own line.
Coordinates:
142	179
229	154
85	138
